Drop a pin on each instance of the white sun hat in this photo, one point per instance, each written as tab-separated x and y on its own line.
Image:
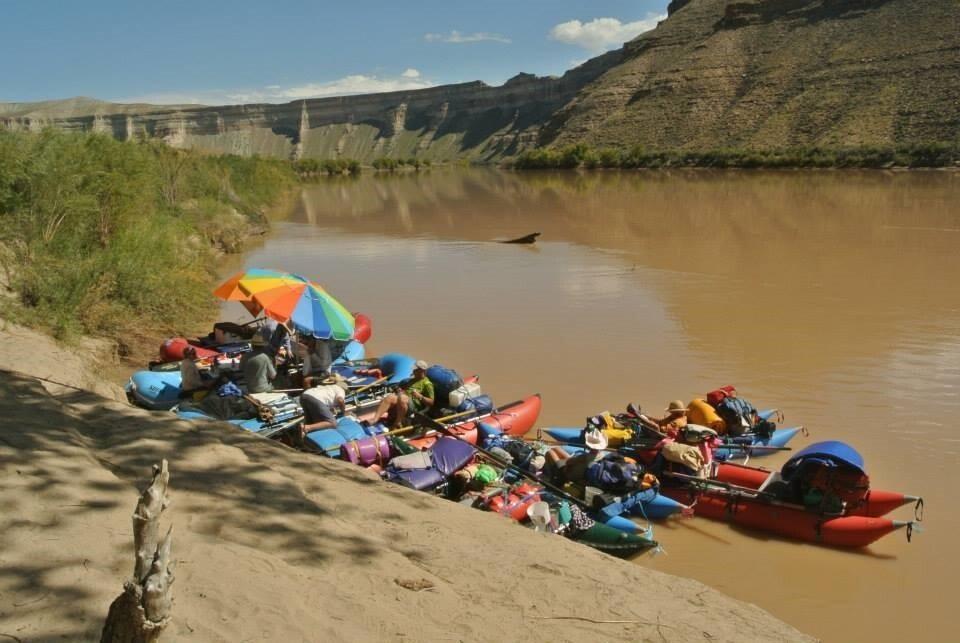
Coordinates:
595	439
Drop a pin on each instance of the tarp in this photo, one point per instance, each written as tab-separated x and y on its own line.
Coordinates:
829	453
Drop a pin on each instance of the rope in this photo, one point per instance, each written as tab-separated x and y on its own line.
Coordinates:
45	379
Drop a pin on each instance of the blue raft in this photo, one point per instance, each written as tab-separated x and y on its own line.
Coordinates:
779	438
160	390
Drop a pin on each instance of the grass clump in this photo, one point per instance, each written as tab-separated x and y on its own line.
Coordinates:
120	239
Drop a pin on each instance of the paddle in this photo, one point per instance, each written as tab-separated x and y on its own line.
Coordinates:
721	484
368	386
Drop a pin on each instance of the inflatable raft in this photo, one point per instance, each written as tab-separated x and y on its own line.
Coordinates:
159	389
777	440
737	495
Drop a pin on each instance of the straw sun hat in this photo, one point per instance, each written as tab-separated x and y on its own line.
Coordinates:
336	379
677	406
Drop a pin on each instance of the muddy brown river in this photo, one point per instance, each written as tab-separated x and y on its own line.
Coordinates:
834	296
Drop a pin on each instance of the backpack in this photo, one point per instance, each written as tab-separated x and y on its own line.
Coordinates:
519	451
738	414
613	473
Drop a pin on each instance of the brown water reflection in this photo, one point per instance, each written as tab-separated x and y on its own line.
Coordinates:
830	294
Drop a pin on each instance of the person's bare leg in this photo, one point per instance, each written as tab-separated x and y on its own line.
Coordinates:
386	404
403	405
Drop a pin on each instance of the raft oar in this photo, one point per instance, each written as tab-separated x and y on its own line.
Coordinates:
368	386
407	429
753	447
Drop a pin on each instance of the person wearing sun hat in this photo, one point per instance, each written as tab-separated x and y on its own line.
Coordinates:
416	396
672	423
257	367
564	467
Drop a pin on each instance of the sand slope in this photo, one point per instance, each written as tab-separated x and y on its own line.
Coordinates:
275	545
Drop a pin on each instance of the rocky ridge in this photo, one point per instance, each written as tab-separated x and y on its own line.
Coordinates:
778	73
467	120
715	74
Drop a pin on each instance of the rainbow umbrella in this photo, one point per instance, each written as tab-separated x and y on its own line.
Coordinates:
288	297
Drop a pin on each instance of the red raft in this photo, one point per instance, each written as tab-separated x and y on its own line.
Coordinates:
875	502
515	418
751	498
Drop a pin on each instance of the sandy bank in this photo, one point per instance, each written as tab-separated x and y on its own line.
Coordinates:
277	545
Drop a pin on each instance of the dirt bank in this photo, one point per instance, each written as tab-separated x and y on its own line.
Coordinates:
277	545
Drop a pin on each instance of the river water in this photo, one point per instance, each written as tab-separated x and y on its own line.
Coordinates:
831	295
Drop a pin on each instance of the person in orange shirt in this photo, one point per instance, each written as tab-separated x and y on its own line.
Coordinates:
670	425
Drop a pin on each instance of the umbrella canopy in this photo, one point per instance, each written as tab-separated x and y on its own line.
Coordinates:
288	297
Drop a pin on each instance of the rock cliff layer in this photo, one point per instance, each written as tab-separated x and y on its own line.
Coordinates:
778	73
715	74
468	120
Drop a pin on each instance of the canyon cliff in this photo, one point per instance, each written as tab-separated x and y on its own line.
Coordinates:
714	74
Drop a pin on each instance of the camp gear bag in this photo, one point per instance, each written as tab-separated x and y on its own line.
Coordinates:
445	381
613	473
718	395
702	413
738	414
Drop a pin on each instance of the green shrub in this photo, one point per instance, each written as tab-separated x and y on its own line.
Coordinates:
119	239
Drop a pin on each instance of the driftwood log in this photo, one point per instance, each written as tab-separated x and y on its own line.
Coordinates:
142	611
529	238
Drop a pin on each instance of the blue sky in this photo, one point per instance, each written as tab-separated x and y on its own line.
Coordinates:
257	51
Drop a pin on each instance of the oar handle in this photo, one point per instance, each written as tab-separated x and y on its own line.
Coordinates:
368	386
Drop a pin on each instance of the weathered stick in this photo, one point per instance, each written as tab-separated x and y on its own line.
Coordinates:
146	520
142	611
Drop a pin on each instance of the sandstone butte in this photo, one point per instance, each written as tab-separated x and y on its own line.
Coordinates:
276	545
715	74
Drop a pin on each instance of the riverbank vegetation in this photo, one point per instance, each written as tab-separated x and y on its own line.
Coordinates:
313	168
118	239
583	156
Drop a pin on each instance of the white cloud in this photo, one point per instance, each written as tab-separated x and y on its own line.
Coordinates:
459	38
601	34
353	84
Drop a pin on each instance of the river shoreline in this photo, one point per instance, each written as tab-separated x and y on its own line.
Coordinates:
278	544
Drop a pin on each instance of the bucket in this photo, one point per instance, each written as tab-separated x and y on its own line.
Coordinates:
374	450
539	514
